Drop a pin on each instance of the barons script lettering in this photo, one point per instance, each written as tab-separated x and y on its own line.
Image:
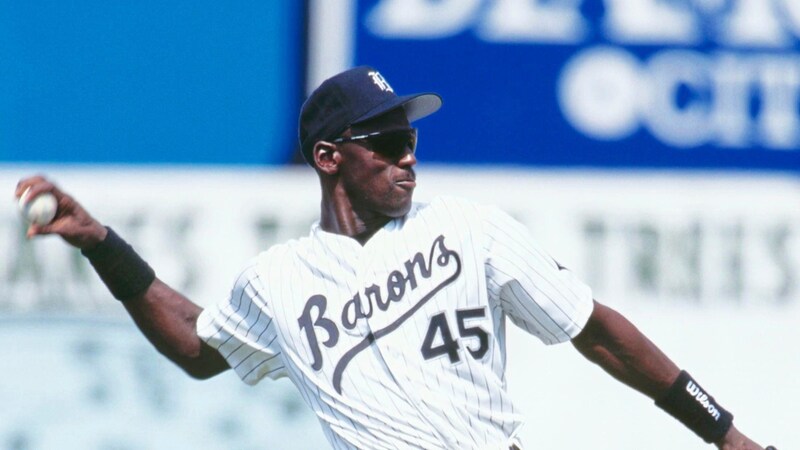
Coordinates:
375	299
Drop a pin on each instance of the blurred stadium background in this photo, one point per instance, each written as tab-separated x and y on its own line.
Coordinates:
652	145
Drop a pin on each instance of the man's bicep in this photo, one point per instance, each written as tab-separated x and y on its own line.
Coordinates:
538	295
242	331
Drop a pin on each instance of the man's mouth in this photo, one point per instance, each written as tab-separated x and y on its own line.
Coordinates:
407	183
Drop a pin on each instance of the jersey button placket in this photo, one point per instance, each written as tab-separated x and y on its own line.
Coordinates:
361	328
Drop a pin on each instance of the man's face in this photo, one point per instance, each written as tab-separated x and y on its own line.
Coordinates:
375	181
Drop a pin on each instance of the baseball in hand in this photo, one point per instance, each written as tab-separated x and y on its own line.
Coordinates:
40	210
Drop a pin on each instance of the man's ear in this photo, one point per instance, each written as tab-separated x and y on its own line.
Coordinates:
326	157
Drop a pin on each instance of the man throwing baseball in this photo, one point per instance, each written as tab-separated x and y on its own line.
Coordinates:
390	315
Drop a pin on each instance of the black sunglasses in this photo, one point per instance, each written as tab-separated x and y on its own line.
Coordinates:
390	143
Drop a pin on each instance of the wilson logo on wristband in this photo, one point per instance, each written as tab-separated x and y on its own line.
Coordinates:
701	397
686	401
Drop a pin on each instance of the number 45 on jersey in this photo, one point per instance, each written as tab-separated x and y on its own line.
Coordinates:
439	340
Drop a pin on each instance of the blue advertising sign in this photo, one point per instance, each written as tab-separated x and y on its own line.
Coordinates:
149	81
612	83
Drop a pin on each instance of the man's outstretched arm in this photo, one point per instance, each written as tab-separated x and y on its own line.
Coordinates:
164	316
168	319
616	345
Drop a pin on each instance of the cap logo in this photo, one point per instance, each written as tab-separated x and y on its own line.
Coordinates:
379	81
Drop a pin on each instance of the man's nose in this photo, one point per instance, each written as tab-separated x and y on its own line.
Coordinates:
409	159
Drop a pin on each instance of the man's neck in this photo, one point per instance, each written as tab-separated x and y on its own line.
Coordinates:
340	217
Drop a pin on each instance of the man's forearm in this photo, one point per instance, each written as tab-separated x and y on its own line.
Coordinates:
616	345
168	320
612	342
166	317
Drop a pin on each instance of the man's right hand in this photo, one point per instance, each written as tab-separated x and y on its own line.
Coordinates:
71	222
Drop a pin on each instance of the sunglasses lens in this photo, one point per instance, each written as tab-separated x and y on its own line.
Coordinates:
396	143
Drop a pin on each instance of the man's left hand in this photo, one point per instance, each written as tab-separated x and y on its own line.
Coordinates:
735	440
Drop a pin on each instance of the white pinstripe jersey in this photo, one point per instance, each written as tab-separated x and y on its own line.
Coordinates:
400	343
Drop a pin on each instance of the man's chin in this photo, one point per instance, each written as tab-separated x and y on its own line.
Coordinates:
401	210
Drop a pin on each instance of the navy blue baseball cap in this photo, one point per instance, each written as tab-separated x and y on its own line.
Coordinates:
351	97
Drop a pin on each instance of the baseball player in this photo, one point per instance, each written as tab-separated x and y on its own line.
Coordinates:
389	316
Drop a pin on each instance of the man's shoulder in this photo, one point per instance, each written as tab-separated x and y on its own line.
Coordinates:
454	206
452	202
288	248
280	252
448	212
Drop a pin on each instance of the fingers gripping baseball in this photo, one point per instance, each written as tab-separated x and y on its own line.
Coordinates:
71	221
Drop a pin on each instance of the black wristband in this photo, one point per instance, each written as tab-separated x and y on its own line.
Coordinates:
694	407
122	270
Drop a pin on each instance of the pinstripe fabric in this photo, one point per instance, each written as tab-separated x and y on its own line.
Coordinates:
400	343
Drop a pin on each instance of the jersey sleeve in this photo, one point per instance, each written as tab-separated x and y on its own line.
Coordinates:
533	290
242	330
